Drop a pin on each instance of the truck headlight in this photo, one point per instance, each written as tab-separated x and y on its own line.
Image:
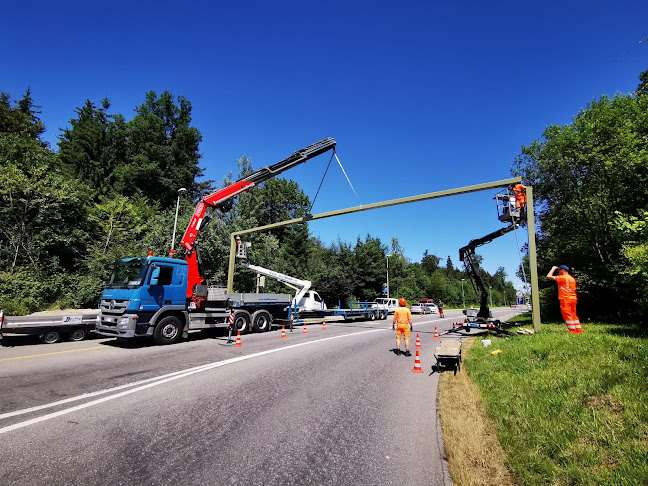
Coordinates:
123	323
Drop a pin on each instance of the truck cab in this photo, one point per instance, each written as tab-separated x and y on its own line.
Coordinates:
139	292
311	302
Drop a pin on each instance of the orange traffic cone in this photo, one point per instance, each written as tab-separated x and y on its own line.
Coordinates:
324	325
418	343
304	331
283	332
238	340
417	364
436	333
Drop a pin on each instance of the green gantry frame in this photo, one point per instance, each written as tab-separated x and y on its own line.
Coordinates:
535	301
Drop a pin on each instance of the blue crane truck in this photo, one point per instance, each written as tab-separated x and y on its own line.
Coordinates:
146	297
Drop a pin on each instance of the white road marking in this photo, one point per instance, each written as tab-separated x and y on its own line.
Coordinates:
143	385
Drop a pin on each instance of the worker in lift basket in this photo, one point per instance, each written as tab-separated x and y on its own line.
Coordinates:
403	324
567	297
520	196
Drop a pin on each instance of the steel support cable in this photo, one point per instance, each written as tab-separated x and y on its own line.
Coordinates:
347	178
326	171
322	181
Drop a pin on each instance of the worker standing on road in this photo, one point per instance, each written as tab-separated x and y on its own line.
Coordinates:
567	297
441	308
403	324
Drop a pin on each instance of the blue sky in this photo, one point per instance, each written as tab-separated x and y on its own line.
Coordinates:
420	96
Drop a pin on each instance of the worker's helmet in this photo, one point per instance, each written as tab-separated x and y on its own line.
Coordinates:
402	302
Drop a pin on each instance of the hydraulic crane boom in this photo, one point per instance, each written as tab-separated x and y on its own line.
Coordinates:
465	255
301	286
222	199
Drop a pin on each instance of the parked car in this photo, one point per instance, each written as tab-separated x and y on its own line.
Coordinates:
432	308
420	309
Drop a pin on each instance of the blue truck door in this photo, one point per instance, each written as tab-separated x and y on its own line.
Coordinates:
165	286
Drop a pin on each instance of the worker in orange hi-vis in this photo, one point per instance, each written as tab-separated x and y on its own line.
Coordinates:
567	297
403	324
520	196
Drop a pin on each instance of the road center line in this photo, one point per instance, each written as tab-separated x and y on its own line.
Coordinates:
152	382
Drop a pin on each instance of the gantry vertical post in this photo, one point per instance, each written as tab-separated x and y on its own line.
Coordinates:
232	260
533	264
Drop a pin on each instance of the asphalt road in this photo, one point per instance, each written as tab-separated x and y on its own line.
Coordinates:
334	406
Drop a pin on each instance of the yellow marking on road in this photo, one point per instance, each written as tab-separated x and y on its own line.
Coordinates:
55	352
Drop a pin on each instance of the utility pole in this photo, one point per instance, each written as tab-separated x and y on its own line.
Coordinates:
463	296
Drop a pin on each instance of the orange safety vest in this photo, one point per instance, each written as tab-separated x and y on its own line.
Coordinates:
402	316
566	287
520	195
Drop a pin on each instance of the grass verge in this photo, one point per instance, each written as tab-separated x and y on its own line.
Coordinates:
475	457
568	409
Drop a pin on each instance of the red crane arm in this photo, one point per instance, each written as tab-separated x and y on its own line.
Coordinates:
217	198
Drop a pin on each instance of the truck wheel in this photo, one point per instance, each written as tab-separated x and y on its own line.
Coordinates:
383	315
168	331
372	316
77	335
242	321
261	321
50	337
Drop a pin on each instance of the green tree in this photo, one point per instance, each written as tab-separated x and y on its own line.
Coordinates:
162	150
21	119
41	213
368	268
86	148
642	89
430	263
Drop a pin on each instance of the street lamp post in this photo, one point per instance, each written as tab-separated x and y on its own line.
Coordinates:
175	222
388	255
463	296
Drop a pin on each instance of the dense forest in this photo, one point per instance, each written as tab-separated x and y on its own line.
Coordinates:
109	191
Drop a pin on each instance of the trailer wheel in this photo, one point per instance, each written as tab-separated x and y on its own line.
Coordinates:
50	337
242	321
168	331
261	321
383	315
372	316
77	335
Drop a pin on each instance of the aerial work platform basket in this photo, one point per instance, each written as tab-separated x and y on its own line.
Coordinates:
511	204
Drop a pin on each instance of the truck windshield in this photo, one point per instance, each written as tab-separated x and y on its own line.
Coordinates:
128	273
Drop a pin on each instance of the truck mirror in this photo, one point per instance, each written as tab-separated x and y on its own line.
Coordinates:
155	275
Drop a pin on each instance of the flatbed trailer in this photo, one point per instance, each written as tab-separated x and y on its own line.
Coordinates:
51	329
369	311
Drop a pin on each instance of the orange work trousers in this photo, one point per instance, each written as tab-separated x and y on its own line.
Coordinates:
568	311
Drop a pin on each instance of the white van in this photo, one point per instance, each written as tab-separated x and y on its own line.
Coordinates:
391	304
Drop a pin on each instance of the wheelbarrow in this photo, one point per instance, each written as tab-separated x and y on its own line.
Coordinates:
448	356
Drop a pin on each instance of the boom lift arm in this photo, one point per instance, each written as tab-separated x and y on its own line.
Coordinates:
466	255
223	200
301	286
